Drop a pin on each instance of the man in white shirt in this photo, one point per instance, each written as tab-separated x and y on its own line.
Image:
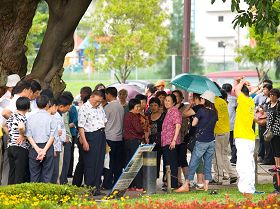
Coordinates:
91	123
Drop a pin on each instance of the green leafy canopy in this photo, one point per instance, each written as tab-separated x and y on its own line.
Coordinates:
266	48
264	14
136	31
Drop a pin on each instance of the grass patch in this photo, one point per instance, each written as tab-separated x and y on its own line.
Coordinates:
39	195
200	196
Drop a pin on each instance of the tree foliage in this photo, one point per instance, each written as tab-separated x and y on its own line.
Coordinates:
135	35
36	32
264	48
176	40
263	14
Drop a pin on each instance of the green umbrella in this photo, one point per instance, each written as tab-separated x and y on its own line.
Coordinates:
195	83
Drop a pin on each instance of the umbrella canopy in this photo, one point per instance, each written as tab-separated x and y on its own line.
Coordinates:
195	83
132	90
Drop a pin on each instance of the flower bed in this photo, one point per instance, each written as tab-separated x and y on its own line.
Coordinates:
61	196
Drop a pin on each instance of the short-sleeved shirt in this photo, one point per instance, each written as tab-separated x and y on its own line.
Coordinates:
223	124
173	117
156	128
114	127
12	106
207	119
58	140
12	124
41	126
244	118
90	118
232	104
273	118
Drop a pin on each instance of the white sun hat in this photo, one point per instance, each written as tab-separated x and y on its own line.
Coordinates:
209	95
12	80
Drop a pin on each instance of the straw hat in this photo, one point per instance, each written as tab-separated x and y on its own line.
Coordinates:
160	83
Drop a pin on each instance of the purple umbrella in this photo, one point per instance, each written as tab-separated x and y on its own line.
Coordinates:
132	90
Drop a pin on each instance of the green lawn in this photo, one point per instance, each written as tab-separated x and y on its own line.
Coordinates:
75	86
221	195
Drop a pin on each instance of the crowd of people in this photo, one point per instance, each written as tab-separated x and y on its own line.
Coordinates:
39	133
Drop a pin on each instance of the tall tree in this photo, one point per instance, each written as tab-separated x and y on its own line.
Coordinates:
36	33
136	35
176	39
265	48
17	16
263	14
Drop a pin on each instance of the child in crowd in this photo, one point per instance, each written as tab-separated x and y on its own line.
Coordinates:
59	138
64	104
17	145
41	129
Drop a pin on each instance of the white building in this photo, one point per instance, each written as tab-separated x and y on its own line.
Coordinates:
214	32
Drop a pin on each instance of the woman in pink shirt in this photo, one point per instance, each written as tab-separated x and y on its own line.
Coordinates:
170	136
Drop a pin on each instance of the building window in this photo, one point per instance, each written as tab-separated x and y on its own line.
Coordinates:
221	44
220	18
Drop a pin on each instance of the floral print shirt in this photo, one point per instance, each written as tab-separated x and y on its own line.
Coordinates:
90	118
173	117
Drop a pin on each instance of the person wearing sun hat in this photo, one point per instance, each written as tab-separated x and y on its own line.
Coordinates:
12	81
160	84
205	120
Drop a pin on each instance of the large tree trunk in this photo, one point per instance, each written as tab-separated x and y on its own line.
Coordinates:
15	21
64	16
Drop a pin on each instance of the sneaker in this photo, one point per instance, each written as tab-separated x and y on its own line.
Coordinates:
258	192
225	178
214	182
232	180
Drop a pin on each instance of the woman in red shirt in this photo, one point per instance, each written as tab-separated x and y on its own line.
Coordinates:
133	134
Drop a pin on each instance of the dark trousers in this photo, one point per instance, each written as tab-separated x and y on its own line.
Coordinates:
158	149
268	153
130	147
261	152
41	171
171	158
112	175
233	148
79	171
94	158
66	162
71	164
55	168
18	160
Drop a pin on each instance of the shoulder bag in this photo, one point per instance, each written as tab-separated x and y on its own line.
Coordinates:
268	134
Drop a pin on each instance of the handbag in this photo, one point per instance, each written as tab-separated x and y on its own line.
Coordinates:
260	118
191	143
268	134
